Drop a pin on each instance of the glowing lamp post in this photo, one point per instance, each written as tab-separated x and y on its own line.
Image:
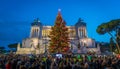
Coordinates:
84	48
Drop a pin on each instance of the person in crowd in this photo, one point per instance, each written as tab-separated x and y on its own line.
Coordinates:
54	64
13	61
8	65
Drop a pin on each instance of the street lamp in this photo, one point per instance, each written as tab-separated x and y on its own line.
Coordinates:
84	47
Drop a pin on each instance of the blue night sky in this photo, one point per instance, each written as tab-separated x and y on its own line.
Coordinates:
16	16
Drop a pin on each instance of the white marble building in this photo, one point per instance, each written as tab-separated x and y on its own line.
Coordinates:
38	41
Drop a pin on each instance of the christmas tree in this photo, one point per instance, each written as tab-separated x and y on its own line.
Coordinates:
59	42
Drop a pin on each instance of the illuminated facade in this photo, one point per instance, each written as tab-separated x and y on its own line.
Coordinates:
38	40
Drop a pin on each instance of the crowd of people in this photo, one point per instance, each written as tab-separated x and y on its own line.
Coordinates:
13	61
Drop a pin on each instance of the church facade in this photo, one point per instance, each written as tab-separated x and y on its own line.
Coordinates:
38	41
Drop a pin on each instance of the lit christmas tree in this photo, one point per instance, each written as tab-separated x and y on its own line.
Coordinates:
59	36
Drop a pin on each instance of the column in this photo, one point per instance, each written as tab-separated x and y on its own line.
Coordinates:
32	33
35	32
38	32
85	33
79	32
82	32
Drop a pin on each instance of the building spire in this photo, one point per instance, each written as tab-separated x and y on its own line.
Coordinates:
80	20
36	20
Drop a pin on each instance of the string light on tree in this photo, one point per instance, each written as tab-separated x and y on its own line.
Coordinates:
59	36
